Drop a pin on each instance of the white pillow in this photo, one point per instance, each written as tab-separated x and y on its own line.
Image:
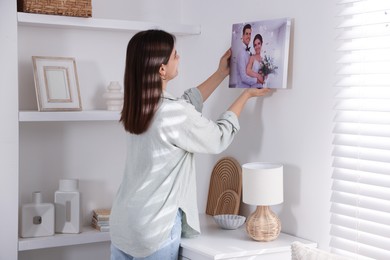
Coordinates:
300	251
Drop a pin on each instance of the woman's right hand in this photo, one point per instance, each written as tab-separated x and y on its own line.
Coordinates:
257	92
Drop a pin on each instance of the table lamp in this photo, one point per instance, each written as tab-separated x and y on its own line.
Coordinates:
262	185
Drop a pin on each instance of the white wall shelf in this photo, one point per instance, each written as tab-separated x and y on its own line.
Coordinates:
88	115
87	236
58	21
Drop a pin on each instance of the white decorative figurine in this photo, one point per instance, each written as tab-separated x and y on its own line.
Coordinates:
37	218
67	207
114	96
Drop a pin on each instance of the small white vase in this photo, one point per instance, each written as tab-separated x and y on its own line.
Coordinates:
37	218
67	207
114	96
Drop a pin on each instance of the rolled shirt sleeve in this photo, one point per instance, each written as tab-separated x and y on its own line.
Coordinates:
194	97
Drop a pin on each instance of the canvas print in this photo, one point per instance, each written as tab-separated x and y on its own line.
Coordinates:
260	53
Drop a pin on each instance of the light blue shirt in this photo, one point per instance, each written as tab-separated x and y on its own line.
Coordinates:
159	175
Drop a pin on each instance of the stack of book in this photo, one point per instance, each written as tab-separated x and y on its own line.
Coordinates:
101	219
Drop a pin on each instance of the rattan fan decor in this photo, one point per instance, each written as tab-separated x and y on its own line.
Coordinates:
225	187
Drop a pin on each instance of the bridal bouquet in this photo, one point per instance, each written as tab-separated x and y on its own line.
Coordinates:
268	66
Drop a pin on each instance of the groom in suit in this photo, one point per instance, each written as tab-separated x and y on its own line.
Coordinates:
243	80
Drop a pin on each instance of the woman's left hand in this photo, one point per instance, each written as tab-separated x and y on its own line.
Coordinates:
224	63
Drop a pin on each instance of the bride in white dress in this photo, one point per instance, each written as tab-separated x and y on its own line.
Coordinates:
254	64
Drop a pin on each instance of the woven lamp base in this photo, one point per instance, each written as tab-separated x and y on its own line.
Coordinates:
263	224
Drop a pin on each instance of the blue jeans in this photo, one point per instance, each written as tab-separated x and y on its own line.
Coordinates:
168	251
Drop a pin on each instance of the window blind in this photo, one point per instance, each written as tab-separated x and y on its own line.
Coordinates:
360	208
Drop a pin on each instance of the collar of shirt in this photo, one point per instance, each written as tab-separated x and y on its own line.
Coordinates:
167	95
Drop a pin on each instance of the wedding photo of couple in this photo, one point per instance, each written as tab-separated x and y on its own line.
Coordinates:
260	53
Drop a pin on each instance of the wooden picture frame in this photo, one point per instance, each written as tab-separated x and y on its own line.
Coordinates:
56	83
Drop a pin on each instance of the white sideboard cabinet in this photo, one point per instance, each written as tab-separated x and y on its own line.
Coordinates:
216	243
88	144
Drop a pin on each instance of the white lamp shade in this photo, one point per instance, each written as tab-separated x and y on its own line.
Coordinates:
262	183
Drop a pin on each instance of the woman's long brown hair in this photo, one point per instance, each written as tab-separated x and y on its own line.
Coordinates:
146	52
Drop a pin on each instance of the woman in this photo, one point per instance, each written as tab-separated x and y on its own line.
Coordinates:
254	64
158	189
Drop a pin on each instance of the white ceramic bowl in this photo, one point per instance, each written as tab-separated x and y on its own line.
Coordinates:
227	221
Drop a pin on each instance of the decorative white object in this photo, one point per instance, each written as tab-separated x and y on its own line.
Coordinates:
67	206
37	218
114	96
263	186
301	251
229	221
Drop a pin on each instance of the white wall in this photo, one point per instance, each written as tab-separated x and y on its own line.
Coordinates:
8	131
292	126
145	10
